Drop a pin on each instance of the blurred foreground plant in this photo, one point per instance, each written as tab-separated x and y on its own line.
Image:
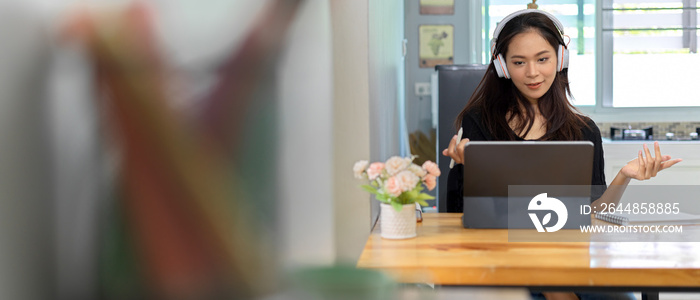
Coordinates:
187	214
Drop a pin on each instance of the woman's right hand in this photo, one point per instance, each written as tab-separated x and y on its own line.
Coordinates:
456	150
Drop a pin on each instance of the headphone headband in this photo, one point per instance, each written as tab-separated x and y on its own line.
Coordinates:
505	20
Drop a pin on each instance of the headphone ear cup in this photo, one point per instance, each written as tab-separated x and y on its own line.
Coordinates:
500	64
562	58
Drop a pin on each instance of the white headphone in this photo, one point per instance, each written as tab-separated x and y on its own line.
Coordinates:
500	63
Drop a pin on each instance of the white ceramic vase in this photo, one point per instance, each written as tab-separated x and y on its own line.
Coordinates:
398	224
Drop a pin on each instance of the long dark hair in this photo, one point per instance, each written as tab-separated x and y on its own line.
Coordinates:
495	97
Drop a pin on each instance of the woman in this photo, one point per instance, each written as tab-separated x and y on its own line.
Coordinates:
522	96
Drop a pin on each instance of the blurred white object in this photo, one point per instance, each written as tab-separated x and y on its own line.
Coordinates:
459	139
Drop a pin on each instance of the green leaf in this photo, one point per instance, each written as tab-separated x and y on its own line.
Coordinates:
374	184
424	197
396	205
369	188
410	195
382	197
422	203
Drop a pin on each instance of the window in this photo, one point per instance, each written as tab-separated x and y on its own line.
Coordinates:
650	53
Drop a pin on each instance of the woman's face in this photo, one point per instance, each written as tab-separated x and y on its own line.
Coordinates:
532	64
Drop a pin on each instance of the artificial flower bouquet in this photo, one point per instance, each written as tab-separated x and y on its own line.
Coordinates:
398	181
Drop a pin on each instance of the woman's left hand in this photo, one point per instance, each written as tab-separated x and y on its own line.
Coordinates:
647	166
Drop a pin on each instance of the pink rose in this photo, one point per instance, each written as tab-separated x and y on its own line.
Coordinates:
395	164
393	187
432	168
429	181
375	169
359	168
407	180
420	172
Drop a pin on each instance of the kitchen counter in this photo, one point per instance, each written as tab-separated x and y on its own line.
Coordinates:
664	141
619	152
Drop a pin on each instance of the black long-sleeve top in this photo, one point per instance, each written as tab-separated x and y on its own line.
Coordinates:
474	130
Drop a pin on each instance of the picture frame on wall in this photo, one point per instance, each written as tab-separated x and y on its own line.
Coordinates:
436	45
437	7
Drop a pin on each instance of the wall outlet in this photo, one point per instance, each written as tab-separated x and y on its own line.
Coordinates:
422	89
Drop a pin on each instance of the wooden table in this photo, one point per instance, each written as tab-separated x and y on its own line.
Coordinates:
445	253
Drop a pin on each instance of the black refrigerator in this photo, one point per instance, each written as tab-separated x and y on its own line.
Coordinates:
455	85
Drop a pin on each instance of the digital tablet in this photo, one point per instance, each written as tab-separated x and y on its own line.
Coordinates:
563	169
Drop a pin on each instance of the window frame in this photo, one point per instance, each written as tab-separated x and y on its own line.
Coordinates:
603	111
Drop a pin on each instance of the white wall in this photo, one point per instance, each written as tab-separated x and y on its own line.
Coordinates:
366	67
306	140
386	75
418	108
351	128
